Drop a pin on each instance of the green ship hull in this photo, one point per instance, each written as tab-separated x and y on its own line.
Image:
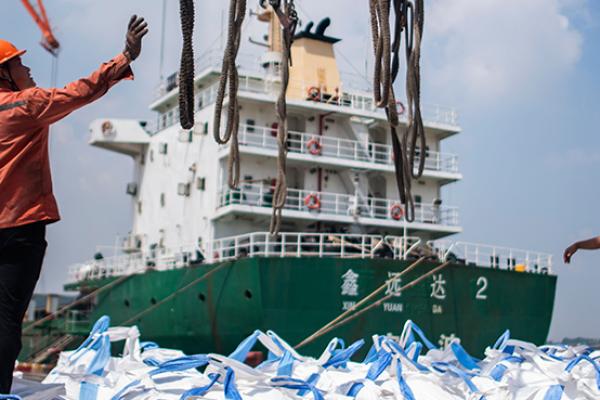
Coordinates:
296	296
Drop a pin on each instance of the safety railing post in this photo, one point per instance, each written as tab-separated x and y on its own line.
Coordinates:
267	245
362	247
283	245
342	249
299	246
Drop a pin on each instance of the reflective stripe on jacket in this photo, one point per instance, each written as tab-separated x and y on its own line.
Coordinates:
25	116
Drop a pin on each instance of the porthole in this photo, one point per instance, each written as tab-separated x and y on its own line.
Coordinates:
248	294
201	297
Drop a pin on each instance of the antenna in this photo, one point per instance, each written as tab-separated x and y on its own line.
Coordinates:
258	42
162	41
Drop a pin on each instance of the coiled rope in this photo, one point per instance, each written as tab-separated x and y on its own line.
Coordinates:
229	74
288	18
186	72
387	66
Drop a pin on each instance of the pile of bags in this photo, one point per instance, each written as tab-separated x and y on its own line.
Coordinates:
408	368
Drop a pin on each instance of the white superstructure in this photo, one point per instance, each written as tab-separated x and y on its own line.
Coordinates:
179	192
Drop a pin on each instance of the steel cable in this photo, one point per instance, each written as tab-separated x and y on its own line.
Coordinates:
345	318
186	72
230	78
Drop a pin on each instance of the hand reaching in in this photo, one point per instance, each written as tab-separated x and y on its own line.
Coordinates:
569	253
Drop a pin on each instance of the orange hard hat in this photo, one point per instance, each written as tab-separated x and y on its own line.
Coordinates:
8	51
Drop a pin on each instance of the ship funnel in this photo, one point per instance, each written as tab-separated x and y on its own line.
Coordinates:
314	74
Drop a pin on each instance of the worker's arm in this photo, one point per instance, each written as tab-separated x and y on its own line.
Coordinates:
589	244
46	106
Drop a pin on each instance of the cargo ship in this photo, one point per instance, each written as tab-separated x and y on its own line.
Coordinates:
199	270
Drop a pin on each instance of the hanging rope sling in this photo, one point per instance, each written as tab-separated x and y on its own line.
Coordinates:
409	19
186	72
288	18
229	75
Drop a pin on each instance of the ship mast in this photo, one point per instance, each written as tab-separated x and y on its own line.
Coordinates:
275	39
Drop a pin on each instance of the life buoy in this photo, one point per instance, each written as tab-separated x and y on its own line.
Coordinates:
314	147
314	93
274	129
312	202
401	107
397	212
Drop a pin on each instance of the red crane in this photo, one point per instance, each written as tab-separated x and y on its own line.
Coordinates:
40	17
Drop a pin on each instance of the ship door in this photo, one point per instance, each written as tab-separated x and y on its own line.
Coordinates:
377	196
295	126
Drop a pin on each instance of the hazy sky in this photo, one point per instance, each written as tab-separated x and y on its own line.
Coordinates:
522	73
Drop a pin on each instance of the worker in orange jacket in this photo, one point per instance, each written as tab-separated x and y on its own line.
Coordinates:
27	204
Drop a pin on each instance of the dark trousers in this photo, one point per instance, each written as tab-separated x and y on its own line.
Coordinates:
22	251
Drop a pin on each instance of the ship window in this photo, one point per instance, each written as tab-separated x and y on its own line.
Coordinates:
248	179
127	303
162	200
139	207
248	294
200	102
201	183
418	199
250	125
151	155
131	189
201	297
153	301
206	128
183	189
163	148
164	121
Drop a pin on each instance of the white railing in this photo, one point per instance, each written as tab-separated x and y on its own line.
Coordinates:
159	259
259	244
493	256
321	245
261	195
300	142
347	97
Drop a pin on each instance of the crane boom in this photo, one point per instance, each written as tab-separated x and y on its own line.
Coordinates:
49	41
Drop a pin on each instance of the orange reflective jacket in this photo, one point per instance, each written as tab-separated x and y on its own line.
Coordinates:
25	180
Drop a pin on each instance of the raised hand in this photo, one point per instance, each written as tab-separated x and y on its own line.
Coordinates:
136	30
